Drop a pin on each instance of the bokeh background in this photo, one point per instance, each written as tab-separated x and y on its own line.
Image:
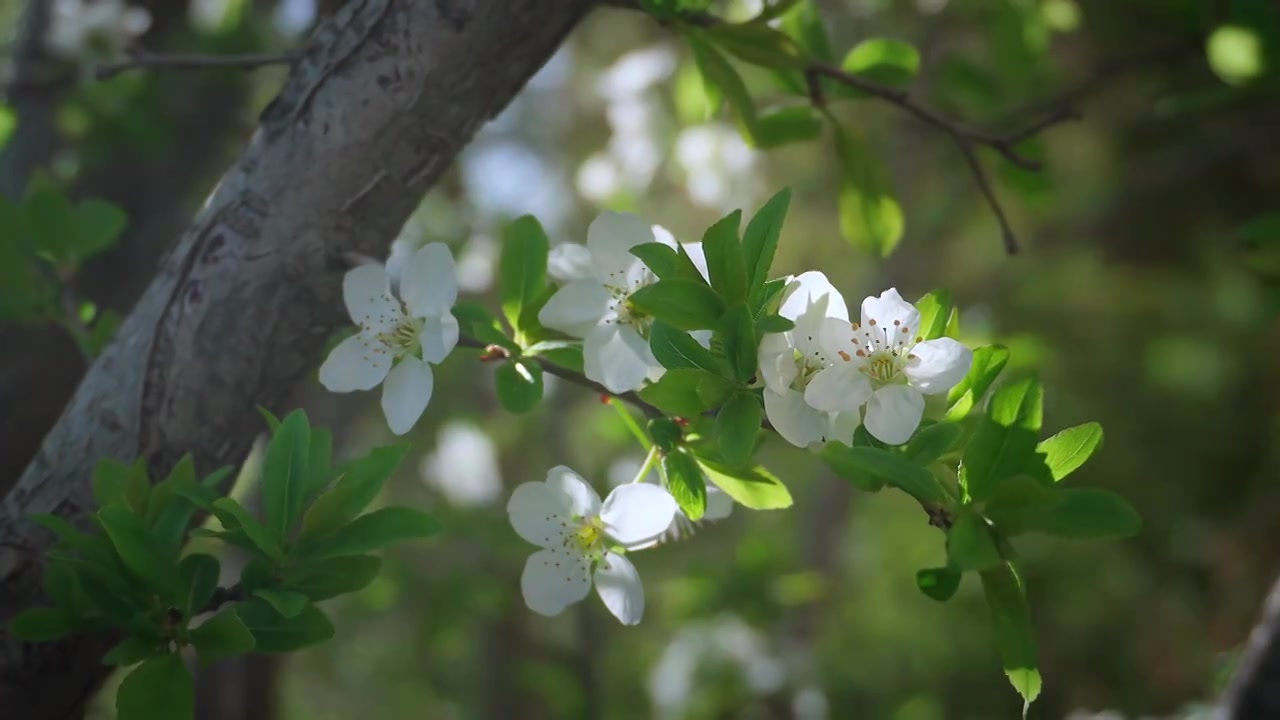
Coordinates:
1145	296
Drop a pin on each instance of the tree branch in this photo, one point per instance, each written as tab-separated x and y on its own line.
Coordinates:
140	59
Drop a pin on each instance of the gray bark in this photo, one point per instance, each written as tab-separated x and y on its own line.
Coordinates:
385	96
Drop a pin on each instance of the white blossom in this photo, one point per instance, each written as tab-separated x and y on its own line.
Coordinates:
565	518
399	336
883	364
789	362
100	27
595	302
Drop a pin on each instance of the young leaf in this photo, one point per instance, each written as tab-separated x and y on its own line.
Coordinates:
1011	620
159	689
883	61
870	468
62	585
375	530
319	464
1065	452
666	433
935	310
676	392
140	552
740	342
988	361
760	243
774	324
676	349
131	651
274	633
938	583
1078	514
933	442
803	23
519	384
335	576
787	125
522	268
736	429
870	218
476	321
284	475
970	543
288	604
755	488
1005	440
183	473
684	481
725	263
758	44
97	225
660	259
109	480
43	624
222	636
720	74
361	482
199	573
686	304
234	516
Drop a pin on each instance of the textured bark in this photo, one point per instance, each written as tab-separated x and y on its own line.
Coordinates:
1254	690
385	96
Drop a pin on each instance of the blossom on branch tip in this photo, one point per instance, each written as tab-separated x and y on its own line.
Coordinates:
564	517
399	336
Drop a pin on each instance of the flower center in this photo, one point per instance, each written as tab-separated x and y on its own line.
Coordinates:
884	350
807	366
405	337
625	312
590	537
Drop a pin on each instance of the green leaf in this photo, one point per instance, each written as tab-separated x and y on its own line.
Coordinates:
222	636
162	495
676	349
474	320
774	10
375	530
740	343
736	429
713	390
774	324
676	392
522	269
870	468
935	310
519	384
43	624
803	23
756	488
288	604
70	535
1005	440
319	467
360	483
51	221
62	585
758	44
886	62
110	482
760	243
870	218
1011	620
1078	514
131	651
683	479
686	304
718	73
987	363
799	123
1065	452
199	573
234	516
140	552
284	475
159	689
274	633
660	259
971	544
97	225
8	123
103	330
933	442
336	576
938	583
724	258
666	433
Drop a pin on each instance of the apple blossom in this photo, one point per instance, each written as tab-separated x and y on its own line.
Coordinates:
564	517
399	336
881	363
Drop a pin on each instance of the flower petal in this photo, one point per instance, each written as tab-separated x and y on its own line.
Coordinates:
777	361
699	257
618	585
617	357
367	294
792	417
540	514
579	497
894	412
570	261
610	238
841	426
429	285
806	290
405	393
937	365
357	363
554	580
839	388
576	308
719	504
637	512
439	336
888	308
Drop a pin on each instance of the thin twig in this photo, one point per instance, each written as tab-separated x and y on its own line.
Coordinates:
140	59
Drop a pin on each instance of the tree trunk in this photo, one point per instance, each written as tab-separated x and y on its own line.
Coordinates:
385	96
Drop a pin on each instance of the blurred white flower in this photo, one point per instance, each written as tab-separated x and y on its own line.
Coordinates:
723	641
716	163
464	466
101	28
